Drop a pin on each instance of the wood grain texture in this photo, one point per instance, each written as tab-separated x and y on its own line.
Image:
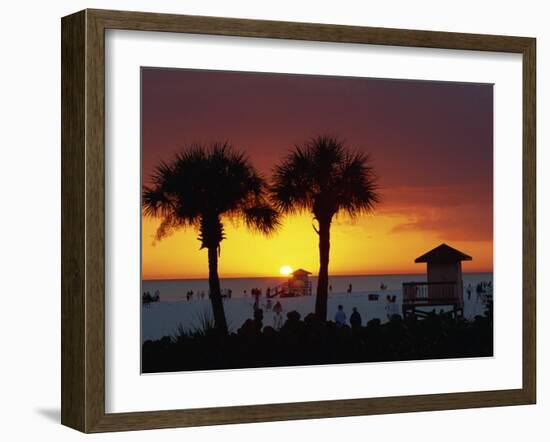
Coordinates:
95	222
83	218
306	31
73	252
529	221
308	410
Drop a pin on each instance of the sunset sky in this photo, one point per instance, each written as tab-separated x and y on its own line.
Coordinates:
431	144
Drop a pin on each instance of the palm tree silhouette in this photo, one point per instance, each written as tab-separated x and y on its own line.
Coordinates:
201	187
324	177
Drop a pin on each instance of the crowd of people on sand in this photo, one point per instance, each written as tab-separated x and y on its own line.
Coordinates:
340	317
189	295
276	309
226	294
483	290
256	293
355	320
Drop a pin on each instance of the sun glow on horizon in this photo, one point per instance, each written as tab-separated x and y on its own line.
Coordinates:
362	247
285	270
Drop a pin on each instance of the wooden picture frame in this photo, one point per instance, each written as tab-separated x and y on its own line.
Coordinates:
83	216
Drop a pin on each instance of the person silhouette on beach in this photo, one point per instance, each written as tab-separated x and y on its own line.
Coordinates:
349	289
278	318
340	316
355	319
479	290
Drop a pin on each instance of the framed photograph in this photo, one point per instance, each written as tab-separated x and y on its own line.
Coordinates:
268	220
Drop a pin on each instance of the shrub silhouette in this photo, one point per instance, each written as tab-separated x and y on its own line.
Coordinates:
312	342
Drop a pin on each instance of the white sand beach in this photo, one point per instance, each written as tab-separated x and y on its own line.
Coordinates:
162	318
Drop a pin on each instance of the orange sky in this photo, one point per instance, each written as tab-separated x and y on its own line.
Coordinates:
367	246
431	144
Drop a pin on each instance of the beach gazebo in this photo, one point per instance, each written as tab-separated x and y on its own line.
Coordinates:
299	283
444	286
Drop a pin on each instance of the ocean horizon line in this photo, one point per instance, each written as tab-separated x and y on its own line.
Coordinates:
312	275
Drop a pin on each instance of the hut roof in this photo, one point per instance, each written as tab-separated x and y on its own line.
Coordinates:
443	253
301	272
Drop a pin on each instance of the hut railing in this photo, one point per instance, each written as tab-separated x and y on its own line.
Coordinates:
287	289
300	289
431	293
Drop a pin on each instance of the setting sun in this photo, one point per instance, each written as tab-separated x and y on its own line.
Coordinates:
285	270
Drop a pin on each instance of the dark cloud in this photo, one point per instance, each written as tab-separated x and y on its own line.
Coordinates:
431	142
453	213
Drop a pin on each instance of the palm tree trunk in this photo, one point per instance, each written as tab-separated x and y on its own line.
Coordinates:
322	281
215	291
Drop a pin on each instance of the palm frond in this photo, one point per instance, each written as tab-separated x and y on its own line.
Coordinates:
208	182
358	189
167	226
261	218
292	182
324	177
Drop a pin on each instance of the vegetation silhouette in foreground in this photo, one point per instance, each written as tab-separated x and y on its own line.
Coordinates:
325	178
313	342
200	188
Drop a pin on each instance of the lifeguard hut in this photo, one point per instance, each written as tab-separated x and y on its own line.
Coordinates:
444	286
298	284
